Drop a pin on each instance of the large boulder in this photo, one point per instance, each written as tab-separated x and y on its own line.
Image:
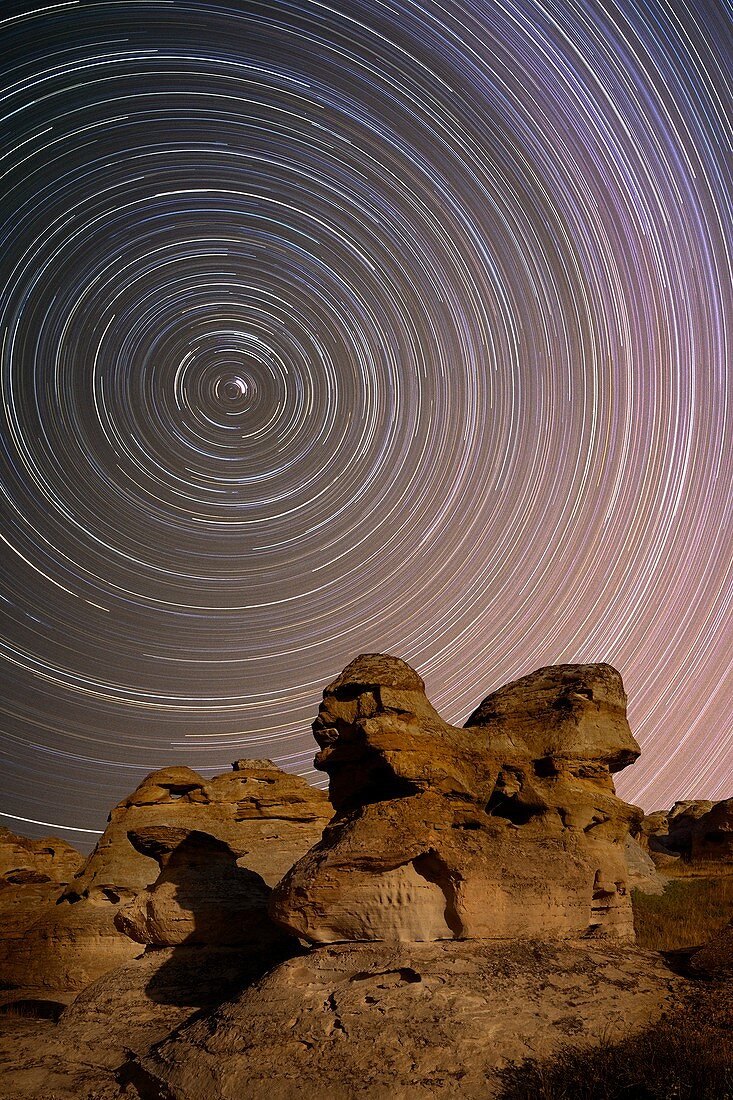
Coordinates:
506	828
263	817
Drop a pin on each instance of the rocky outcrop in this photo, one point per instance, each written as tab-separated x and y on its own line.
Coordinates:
695	837
509	827
643	874
408	1020
256	814
468	903
257	809
387	1022
201	896
87	1055
33	874
711	837
24	861
690	848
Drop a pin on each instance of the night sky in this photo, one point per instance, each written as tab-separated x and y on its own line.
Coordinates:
366	326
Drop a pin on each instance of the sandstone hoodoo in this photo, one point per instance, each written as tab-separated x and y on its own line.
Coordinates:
694	837
49	860
256	814
201	896
471	886
33	874
508	827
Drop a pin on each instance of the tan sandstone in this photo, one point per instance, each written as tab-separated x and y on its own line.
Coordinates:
506	828
263	816
400	1021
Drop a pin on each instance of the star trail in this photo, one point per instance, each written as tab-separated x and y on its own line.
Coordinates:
373	326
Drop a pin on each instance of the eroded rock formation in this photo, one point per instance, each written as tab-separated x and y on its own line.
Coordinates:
48	860
695	836
256	814
33	874
399	1021
486	867
690	851
202	896
506	828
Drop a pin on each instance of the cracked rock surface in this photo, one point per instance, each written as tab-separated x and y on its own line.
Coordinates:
409	1020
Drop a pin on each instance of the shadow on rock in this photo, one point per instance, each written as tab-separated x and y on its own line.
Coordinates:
207	917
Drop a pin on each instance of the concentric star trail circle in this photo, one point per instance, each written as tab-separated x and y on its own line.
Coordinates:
331	328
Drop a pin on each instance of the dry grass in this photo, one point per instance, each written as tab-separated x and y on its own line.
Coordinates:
686	1056
687	914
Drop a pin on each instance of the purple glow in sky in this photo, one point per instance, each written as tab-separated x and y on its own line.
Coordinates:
332	328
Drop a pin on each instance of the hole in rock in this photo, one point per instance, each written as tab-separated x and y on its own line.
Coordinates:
178	790
508	806
432	868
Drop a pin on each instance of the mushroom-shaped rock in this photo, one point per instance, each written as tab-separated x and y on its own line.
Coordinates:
563	712
380	738
509	827
264	816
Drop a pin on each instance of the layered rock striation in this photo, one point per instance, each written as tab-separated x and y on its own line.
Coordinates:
508	827
33	874
238	833
39	861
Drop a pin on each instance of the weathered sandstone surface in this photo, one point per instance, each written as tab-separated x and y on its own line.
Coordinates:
408	1020
506	828
201	896
48	860
33	874
89	1054
256	816
376	1020
466	907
